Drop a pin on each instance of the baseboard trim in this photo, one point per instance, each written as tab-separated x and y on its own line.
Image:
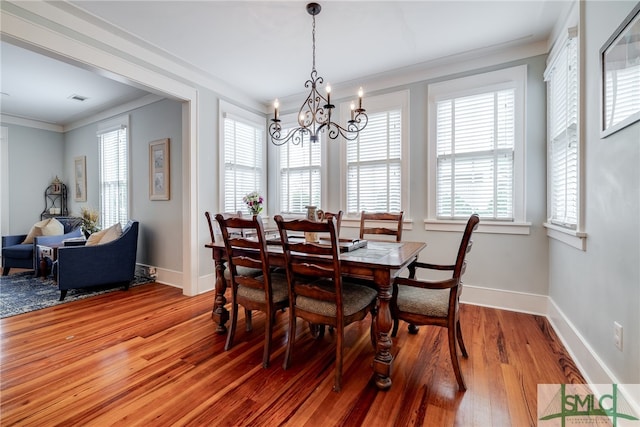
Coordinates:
594	370
507	300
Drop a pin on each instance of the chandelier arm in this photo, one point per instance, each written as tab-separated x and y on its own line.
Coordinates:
295	135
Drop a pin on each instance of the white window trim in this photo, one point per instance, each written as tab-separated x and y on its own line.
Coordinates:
576	238
375	104
227	109
514	77
291	119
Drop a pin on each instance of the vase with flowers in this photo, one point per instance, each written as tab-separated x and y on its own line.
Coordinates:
254	202
89	220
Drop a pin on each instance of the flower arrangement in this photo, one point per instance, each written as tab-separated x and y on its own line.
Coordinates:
89	220
254	202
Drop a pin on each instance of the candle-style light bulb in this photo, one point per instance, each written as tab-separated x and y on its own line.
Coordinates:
328	94
360	94
353	107
276	104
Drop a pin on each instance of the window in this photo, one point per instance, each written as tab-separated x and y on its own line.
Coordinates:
300	175
243	156
377	161
114	172
562	108
476	147
563	143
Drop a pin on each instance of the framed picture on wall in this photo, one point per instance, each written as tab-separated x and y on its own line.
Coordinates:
80	179
159	174
620	69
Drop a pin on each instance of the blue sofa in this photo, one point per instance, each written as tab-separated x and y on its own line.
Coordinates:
80	267
15	254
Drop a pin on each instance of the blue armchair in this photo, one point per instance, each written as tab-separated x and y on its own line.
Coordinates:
103	264
15	254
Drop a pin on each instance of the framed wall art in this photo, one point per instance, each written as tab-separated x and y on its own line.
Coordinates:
159	175
620	76
80	179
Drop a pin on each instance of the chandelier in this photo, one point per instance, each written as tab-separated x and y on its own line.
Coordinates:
315	114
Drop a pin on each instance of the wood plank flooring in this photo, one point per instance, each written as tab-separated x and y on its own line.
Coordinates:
150	357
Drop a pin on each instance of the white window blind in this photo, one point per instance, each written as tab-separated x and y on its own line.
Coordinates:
475	141
562	108
114	177
243	162
300	175
374	181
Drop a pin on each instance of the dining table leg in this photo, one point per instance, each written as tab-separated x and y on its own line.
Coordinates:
220	314
383	360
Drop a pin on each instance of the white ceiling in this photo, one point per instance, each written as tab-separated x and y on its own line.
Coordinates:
263	48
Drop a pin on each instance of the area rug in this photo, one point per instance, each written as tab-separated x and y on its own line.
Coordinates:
21	292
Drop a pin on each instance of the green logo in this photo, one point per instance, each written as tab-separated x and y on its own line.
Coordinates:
577	404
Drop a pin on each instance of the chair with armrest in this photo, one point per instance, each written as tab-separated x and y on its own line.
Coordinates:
16	254
317	291
422	302
381	224
109	263
266	292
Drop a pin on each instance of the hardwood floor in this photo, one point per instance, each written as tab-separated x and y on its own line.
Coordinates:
150	357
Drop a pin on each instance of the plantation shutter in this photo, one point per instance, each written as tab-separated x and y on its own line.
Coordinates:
243	143
114	176
373	165
475	140
300	180
562	104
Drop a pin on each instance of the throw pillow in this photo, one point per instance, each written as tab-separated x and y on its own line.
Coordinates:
105	236
94	238
53	228
112	234
37	229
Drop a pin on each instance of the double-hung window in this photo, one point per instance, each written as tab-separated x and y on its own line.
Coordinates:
300	174
563	141
377	161
476	147
243	154
114	172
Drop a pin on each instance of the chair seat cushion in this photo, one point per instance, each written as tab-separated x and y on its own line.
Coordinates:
243	271
22	251
428	302
279	288
354	298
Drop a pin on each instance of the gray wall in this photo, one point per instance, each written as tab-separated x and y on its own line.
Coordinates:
35	158
602	285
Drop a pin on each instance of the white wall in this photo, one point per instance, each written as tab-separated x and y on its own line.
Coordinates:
594	288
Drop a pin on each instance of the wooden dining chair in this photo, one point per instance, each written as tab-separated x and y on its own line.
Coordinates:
233	232
381	223
267	292
317	291
422	302
337	216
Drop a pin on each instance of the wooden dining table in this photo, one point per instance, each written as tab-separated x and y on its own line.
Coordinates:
378	263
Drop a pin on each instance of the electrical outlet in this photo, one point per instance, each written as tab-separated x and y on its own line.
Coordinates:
617	335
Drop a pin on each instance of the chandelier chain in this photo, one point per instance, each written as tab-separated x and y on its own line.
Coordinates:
313	38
